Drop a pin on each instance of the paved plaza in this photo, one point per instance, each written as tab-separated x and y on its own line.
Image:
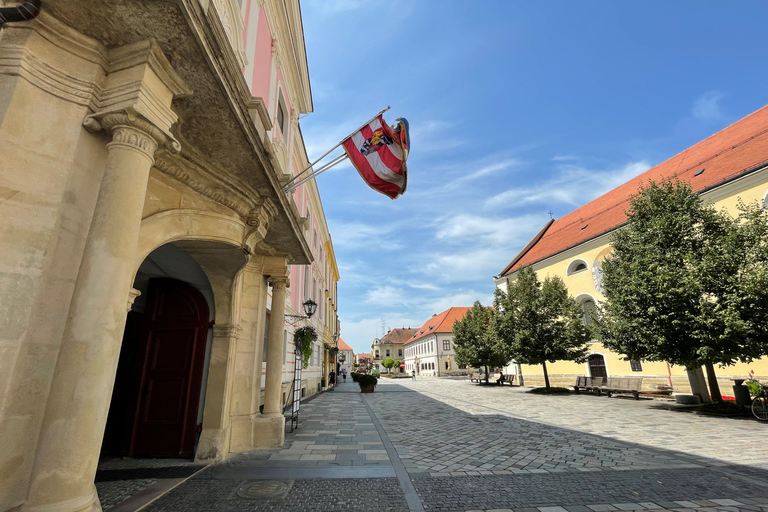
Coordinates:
449	445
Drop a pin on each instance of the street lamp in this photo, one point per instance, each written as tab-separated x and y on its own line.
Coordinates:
309	307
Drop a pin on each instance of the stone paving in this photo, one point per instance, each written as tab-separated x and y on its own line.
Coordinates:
493	429
449	445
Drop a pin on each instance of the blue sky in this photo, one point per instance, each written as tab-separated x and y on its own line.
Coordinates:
516	108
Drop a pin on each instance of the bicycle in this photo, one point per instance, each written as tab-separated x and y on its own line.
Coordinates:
760	402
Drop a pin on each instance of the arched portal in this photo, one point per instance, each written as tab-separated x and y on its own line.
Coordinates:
157	401
596	363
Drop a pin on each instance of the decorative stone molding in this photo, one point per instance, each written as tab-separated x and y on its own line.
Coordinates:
128	130
188	174
231	19
132	294
277	53
227	331
279	282
259	115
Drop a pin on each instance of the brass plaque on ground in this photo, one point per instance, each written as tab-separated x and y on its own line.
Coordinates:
256	489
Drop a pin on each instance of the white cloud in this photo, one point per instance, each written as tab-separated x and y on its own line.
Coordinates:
358	234
474	228
483	171
707	106
564	158
574	185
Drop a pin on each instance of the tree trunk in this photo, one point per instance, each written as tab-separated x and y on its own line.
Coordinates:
546	375
487	377
714	387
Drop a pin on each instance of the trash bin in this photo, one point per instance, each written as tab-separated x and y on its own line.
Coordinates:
322	382
741	393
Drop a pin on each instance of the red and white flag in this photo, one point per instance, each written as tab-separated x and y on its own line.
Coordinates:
376	152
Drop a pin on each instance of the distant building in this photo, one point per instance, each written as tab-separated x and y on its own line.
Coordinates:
429	350
725	168
345	357
390	345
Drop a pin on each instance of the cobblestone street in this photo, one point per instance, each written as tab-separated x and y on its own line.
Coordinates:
454	446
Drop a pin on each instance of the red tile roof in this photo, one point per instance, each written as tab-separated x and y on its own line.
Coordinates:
343	345
439	323
730	153
398	335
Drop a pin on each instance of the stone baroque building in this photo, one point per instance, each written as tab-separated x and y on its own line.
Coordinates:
390	345
430	350
729	166
148	254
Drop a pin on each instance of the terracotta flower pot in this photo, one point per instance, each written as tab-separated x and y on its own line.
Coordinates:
367	389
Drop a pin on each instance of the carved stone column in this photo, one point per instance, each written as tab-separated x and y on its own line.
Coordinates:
274	382
74	421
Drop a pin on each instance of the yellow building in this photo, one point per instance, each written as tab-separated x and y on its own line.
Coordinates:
147	248
729	166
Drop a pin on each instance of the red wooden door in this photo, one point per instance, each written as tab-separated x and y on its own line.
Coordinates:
172	352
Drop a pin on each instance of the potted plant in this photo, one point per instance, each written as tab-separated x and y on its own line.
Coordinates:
367	383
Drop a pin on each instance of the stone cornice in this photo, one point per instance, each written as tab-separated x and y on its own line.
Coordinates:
190	175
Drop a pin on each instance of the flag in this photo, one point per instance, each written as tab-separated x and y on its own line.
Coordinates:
377	154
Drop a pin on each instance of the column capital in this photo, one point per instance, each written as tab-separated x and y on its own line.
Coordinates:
131	130
281	282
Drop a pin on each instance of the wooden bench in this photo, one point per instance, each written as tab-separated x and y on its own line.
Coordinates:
623	385
588	383
475	377
509	378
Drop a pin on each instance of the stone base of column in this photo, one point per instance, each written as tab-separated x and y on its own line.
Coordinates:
87	503
268	431
213	445
242	433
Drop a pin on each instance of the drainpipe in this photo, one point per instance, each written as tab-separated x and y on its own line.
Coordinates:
25	12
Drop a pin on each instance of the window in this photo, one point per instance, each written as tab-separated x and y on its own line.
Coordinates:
577	266
636	366
446	365
400	352
387	352
285	346
446	345
376	354
587	307
281	116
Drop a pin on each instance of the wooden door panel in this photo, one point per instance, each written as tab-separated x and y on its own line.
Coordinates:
173	351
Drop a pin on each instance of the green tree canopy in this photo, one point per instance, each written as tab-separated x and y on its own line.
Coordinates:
540	322
474	340
390	363
684	281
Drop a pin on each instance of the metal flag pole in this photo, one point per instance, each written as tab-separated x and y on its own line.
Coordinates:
318	172
288	184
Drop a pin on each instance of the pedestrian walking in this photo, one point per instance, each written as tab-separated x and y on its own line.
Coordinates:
344	374
332	379
413	374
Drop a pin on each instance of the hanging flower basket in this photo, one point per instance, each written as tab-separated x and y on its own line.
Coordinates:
303	341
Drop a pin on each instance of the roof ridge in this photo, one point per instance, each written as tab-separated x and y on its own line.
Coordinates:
716	150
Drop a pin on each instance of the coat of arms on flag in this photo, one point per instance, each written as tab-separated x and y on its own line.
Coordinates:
378	152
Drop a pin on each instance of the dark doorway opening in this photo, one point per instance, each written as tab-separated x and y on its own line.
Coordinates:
154	406
596	364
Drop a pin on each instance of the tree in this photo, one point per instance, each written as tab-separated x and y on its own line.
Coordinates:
390	363
539	322
474	341
679	285
748	296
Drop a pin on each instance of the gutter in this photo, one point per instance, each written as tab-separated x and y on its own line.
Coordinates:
25	12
